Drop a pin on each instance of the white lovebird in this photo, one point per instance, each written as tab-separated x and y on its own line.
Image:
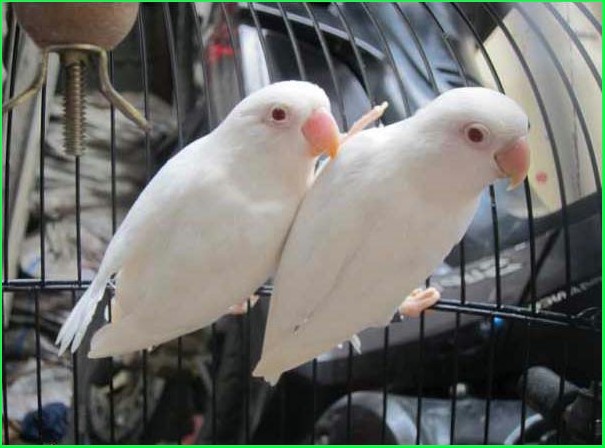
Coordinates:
384	214
210	226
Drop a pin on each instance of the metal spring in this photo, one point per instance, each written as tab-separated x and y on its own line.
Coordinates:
74	100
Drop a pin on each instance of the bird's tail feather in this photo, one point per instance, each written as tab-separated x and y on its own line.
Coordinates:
74	328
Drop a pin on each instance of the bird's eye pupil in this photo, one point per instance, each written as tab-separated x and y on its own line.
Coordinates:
475	135
278	114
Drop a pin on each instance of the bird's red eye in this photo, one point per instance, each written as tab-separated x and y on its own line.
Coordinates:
475	134
278	114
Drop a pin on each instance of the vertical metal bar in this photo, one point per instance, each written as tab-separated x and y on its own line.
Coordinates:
41	431
533	299
211	125
390	58
78	222
526	358
41	181
445	39
349	392
76	395
297	56
241	90
578	44
113	155
176	97
236	58
593	20
174	71
331	69
38	366
149	174
357	55
12	70
419	46
314	401
214	350
490	382
247	373
74	356
481	46
263	44
145	81
114	225
11	81
456	369
420	369
563	369
5	426
200	42
385	382
283	409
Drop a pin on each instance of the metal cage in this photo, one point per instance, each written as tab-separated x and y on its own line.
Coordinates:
522	290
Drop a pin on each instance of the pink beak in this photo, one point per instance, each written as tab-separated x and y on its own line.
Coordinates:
321	132
513	162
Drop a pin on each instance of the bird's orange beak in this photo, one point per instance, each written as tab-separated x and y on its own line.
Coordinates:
513	162
321	131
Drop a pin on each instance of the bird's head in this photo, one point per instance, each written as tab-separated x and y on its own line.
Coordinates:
294	114
487	129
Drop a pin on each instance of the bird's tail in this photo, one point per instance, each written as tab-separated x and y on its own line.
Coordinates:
74	328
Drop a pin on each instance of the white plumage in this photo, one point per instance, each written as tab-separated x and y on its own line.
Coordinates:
209	227
382	216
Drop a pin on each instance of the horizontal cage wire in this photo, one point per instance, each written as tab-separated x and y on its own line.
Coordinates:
509	354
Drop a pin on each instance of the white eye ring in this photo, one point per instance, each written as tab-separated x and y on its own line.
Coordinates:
476	133
279	115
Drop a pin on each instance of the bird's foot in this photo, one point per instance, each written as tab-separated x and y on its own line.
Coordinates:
365	120
242	308
418	301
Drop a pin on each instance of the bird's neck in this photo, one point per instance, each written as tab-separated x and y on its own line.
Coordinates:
268	170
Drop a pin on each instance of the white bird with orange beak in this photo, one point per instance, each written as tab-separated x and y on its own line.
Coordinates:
210	226
382	216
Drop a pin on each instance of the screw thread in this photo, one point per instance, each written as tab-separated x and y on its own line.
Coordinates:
74	100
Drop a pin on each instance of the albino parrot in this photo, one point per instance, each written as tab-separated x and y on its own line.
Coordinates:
210	226
382	215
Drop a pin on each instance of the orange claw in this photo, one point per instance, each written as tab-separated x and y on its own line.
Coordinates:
418	301
242	308
365	120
